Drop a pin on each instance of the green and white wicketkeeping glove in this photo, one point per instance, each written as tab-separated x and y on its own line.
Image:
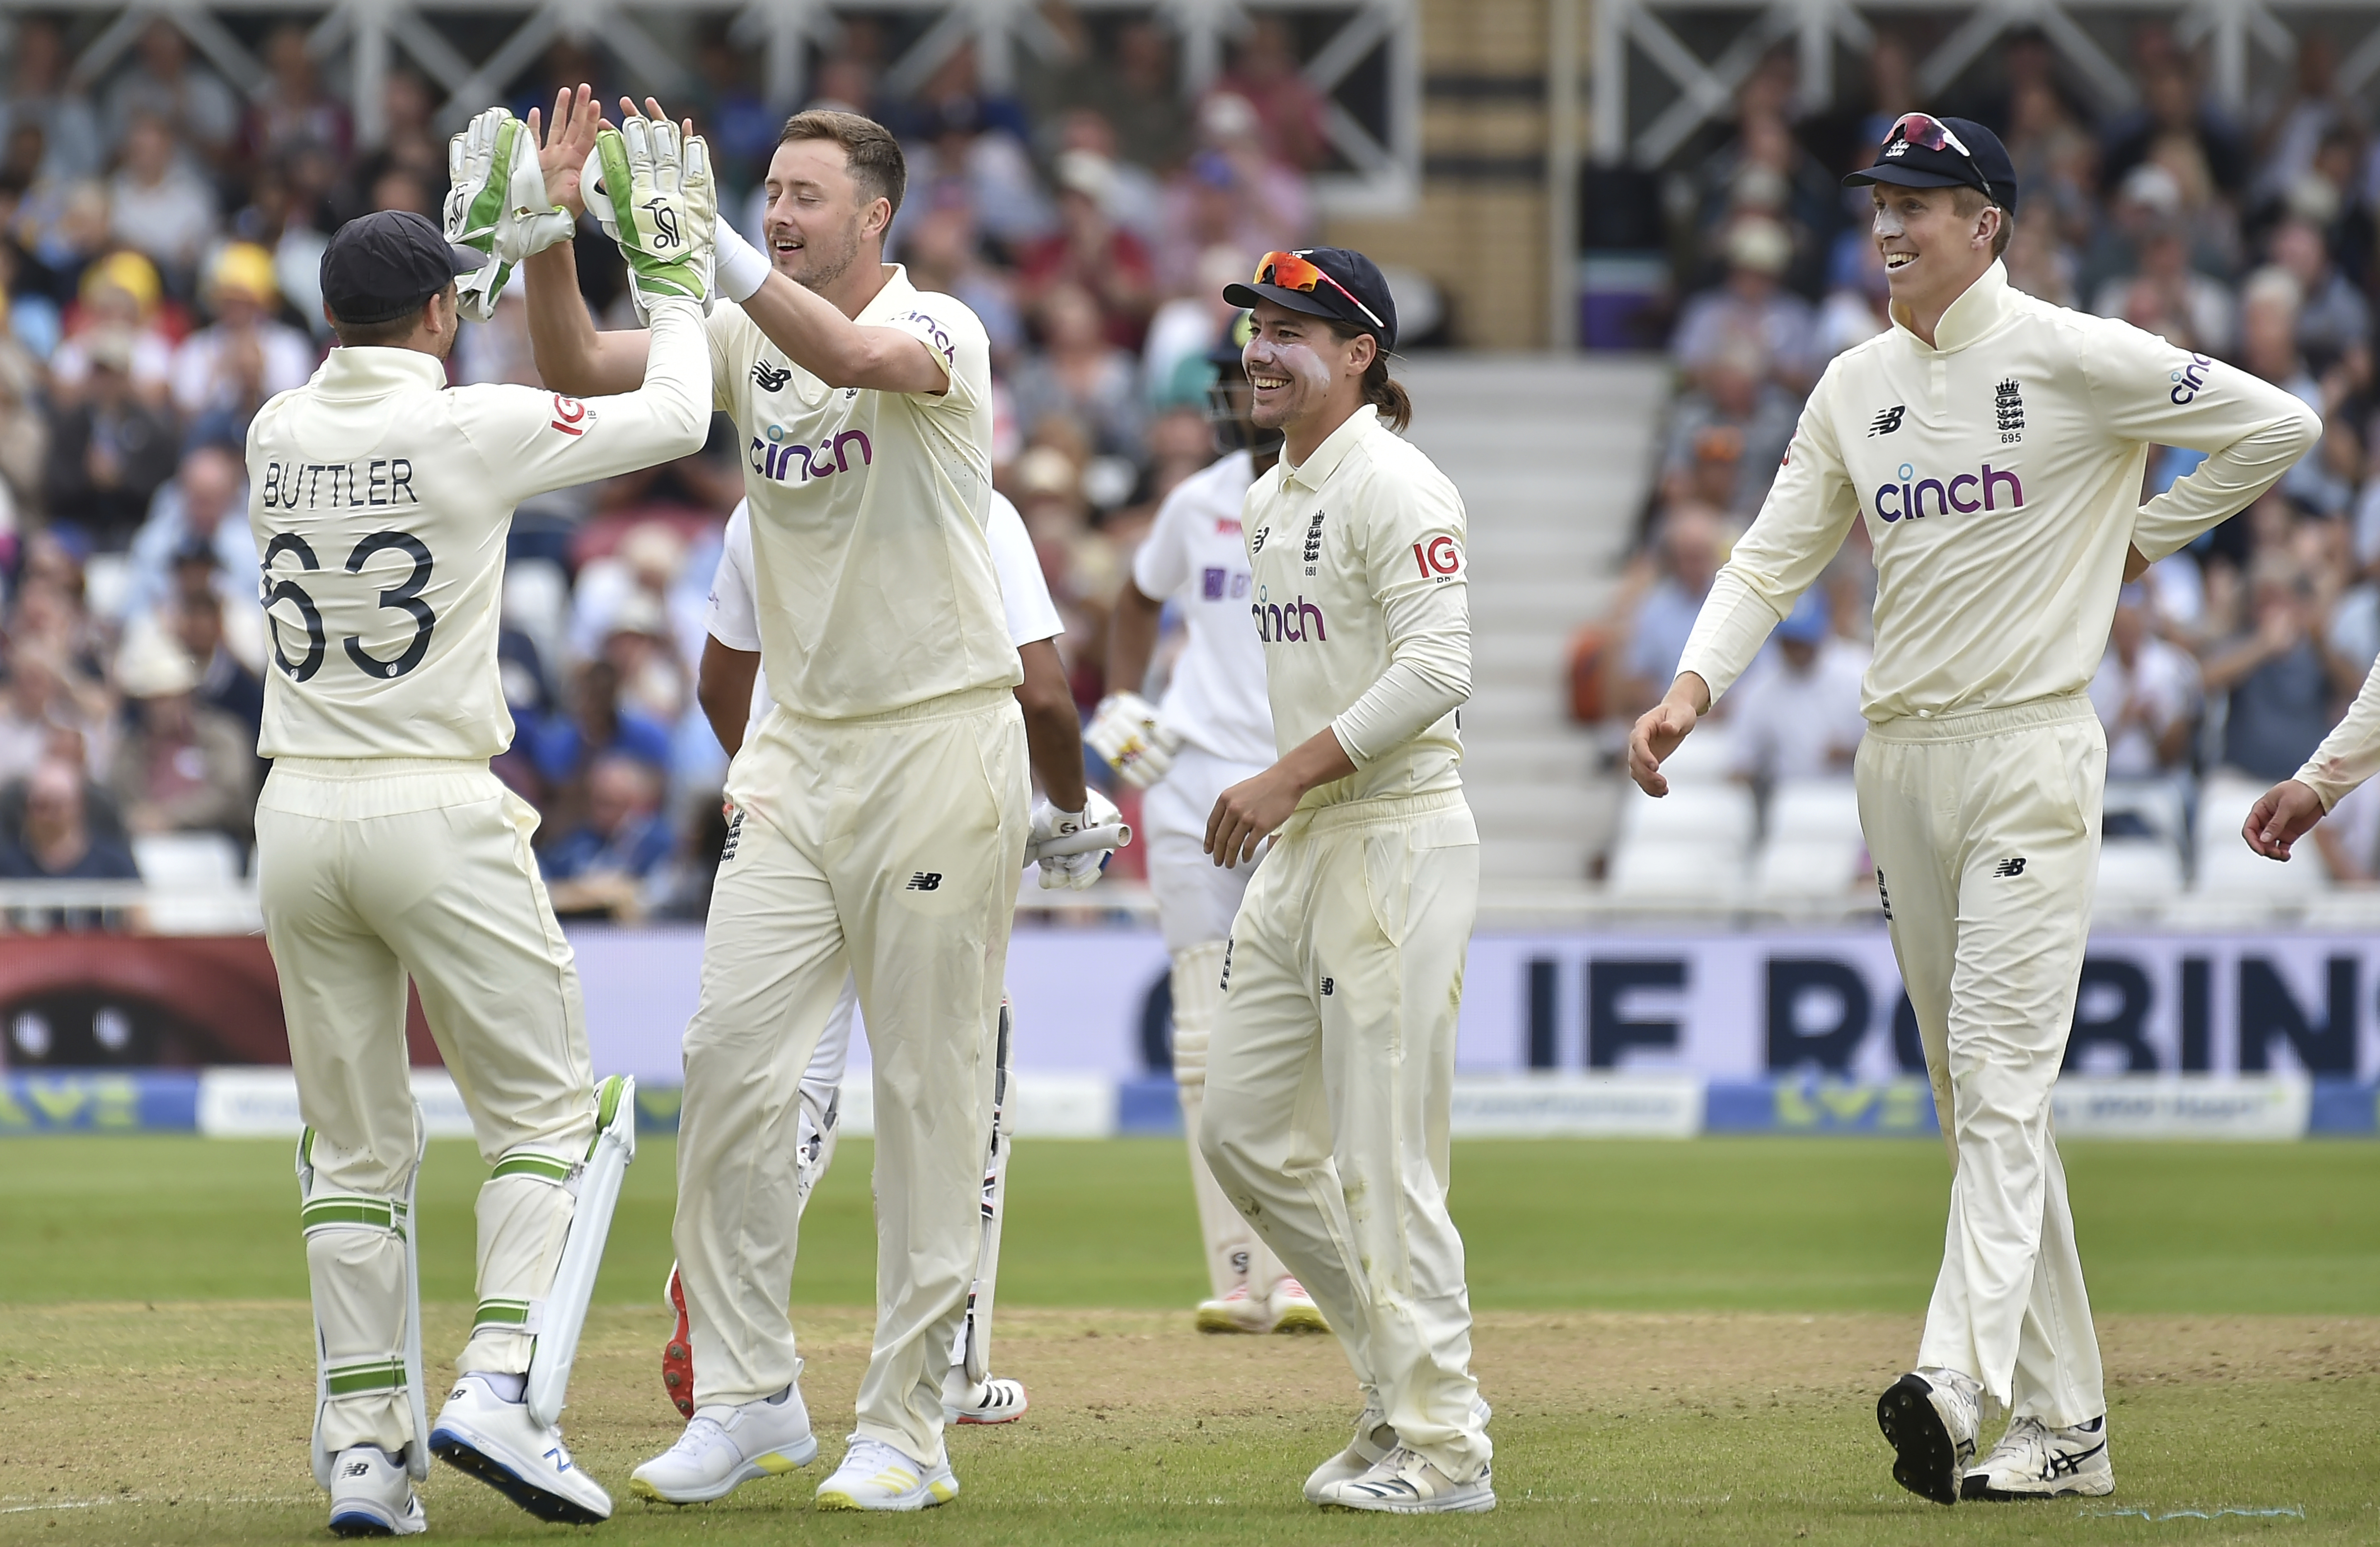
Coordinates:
651	189
496	203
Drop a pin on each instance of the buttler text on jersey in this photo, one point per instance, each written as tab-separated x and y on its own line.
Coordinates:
361	486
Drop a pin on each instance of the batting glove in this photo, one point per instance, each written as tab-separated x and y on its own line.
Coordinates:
651	191
1072	847
1125	732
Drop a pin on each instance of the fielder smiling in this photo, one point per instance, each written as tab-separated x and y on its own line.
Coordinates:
1994	445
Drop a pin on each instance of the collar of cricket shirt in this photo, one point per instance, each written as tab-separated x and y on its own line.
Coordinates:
371	372
1316	470
1977	311
896	290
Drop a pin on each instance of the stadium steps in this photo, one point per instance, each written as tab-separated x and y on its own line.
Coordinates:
1553	455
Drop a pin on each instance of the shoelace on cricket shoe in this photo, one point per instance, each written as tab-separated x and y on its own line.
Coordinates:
701	1433
889	1468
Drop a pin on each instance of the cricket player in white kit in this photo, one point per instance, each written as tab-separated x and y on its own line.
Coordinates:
1330	1077
880	808
1213	730
1994	445
733	694
381	501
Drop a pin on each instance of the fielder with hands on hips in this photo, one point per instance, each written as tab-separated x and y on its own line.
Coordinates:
1994	445
1329	1079
883	804
380	500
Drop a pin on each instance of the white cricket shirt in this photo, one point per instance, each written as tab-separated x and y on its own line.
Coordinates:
1361	602
380	500
2000	475
1197	555
868	516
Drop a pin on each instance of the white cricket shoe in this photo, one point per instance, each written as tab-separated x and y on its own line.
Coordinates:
1293	1309
371	1495
495	1440
997	1400
2034	1461
1403	1483
728	1444
1373	1442
1237	1311
875	1476
1930	1419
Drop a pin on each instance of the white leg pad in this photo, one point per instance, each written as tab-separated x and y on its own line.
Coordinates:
363	1258
974	1352
564	1312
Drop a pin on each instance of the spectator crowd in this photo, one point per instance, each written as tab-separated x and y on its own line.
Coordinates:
160	237
2246	238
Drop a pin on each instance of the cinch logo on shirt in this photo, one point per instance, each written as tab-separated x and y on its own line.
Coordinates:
941	341
2190	380
778	458
1294	622
1911	496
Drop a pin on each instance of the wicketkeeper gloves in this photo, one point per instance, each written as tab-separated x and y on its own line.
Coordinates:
496	203
651	189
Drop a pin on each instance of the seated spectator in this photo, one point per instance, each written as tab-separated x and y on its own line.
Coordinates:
2276	674
157	203
654	681
1796	711
1080	375
198	111
938	243
1739	417
55	842
2269	307
1265	72
109	453
41	92
1752	306
1090	249
600	865
2146	694
119	295
41	702
565	747
2334	318
293	109
2170	298
226	682
211	372
182	766
205	505
1689	548
1855	307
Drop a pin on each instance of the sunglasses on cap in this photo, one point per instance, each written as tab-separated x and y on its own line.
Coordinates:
1293	273
1927	132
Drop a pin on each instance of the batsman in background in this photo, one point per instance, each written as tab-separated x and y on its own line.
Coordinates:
733	692
1995	444
1213	730
381	502
882	806
1330	1077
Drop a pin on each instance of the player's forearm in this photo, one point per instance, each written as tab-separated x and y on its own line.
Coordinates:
1132	639
666	418
2232	478
572	357
838	352
1428	675
2351	753
1053	732
1735	621
724	687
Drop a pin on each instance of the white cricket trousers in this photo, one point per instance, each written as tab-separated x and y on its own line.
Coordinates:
889	847
369	869
1984	830
1195	901
1329	1087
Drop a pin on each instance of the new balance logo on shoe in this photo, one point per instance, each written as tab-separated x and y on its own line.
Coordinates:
1886	421
359	1469
924	881
2007	868
767	379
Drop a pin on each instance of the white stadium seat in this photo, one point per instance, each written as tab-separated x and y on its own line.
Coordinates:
2228	868
1810	867
1689	846
1808	811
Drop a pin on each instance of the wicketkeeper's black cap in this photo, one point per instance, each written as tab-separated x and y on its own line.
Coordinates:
1905	161
380	266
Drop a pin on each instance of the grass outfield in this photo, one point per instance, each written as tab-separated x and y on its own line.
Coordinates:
1683	1342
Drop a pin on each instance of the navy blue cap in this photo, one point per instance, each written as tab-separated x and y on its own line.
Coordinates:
1985	168
1360	297
380	266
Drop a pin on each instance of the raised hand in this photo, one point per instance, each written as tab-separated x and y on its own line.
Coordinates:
569	140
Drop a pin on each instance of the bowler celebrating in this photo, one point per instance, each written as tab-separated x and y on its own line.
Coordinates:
1330	1077
1994	445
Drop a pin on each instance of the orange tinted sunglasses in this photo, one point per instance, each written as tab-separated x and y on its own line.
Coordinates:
1291	270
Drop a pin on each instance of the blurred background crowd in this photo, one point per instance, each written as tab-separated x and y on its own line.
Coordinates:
2246	238
159	235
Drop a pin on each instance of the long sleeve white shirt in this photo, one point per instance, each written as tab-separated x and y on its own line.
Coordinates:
1999	473
380	500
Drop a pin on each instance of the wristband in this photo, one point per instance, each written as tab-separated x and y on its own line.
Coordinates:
741	268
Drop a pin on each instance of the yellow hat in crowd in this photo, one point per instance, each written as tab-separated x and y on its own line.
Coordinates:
125	270
244	267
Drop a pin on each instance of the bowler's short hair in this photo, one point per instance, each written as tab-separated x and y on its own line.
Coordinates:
873	155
